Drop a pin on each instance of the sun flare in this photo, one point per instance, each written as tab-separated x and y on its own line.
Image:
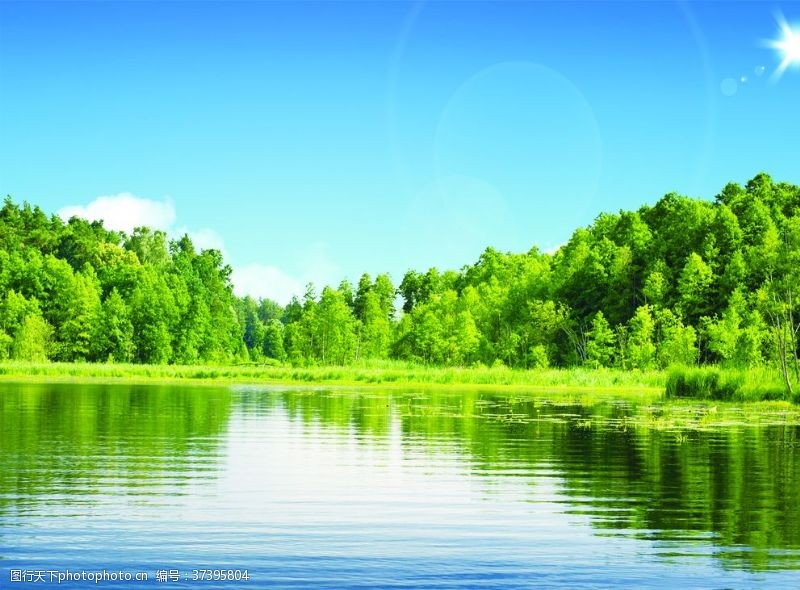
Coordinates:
788	46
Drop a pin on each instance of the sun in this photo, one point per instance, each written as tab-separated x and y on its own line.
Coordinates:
788	46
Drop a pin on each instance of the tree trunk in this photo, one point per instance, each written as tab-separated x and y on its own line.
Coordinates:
780	339
793	329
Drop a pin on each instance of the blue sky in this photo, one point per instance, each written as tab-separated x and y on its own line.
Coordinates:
316	141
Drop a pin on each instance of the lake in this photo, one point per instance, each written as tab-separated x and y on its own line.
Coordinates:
347	488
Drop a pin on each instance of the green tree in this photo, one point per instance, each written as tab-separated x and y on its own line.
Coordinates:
676	343
429	344
376	331
601	342
32	340
360	298
694	287
254	328
467	338
334	327
640	350
655	288
24	334
273	341
779	299
114	339
76	334
150	246
153	315
723	333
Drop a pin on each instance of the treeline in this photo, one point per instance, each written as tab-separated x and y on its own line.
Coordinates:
684	281
78	292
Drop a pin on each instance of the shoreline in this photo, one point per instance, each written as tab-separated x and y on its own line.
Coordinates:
578	380
587	387
712	382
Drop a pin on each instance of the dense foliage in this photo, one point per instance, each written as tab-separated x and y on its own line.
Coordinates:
684	281
75	291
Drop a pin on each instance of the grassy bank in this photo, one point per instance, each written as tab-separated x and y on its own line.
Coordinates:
376	373
705	383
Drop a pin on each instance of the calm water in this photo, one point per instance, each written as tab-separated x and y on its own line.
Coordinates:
344	489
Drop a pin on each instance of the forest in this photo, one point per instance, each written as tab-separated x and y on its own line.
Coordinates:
684	281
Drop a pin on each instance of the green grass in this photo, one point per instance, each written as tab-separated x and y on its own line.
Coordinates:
375	372
726	384
704	383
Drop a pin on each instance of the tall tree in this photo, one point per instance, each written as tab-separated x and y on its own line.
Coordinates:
114	339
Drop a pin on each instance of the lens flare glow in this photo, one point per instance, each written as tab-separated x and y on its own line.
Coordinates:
788	46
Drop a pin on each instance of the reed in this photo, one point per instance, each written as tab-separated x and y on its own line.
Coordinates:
729	384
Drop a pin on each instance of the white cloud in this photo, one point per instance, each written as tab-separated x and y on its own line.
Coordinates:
553	249
203	239
124	212
263	281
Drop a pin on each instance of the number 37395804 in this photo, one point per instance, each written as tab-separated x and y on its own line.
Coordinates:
219	575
